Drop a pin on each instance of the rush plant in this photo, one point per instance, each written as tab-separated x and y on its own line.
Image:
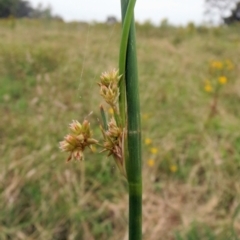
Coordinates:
122	132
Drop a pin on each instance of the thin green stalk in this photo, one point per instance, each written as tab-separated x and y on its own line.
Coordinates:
104	118
127	15
134	161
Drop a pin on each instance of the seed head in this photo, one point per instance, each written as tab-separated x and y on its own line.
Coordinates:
114	144
75	127
79	138
109	78
109	86
110	94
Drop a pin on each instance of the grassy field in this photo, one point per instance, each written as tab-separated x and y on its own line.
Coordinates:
190	121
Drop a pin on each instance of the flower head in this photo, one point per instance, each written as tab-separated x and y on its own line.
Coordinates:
109	78
113	139
79	138
114	144
218	65
148	141
110	94
154	150
150	162
222	80
208	86
109	89
75	127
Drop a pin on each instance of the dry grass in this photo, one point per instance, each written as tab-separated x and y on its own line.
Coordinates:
48	75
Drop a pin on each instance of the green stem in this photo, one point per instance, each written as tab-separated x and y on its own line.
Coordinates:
127	15
104	118
133	162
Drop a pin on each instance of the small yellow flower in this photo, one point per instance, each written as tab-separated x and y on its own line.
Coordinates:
173	168
222	80
148	141
110	111
216	65
145	116
208	87
150	162
154	150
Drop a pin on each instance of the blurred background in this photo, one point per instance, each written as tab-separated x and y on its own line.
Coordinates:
51	56
177	13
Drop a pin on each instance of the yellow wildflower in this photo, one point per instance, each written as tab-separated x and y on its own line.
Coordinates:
216	65
222	80
208	87
145	116
148	141
173	168
150	162
154	150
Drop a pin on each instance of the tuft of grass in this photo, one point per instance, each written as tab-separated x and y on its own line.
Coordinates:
203	232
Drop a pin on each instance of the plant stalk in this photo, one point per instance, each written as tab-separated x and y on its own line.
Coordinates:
134	160
127	16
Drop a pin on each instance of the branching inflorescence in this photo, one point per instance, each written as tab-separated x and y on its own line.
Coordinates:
122	132
77	140
80	135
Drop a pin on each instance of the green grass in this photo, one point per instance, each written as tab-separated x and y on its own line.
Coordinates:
48	77
202	232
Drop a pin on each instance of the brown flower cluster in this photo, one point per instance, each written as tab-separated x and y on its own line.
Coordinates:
114	144
109	87
79	138
80	135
